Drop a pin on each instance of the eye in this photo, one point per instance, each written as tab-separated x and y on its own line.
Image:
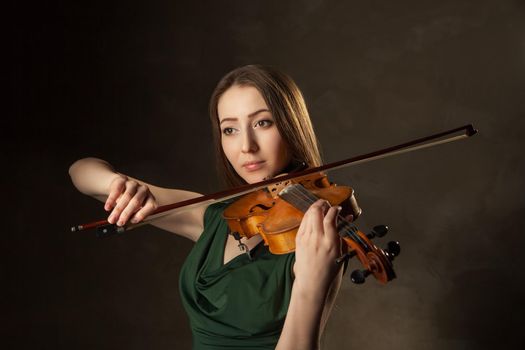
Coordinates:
227	131
264	123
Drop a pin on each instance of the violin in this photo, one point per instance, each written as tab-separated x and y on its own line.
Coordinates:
276	212
273	209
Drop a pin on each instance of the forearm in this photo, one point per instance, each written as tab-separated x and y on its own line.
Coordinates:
92	176
302	327
317	278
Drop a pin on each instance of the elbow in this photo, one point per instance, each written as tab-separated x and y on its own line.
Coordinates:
75	173
79	164
73	167
81	172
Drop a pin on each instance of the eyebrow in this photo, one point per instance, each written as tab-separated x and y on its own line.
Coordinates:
249	115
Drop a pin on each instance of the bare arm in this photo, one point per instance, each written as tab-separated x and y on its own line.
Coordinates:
131	199
317	280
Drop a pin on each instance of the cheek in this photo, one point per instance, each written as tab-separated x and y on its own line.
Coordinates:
228	149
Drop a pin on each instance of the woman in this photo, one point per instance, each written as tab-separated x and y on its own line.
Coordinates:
265	301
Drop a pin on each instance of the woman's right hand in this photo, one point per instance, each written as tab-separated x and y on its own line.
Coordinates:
132	200
129	200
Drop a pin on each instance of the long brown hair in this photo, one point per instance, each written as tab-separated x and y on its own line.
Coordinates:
288	108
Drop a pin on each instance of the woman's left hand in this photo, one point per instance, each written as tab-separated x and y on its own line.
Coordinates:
318	245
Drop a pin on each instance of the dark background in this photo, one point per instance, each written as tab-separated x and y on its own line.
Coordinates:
129	82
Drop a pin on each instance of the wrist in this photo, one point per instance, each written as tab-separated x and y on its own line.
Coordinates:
309	291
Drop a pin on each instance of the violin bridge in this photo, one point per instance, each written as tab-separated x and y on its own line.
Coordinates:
278	187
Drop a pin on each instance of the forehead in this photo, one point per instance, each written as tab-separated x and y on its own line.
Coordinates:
239	101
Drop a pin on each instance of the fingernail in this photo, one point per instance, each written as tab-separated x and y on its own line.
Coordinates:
120	223
134	221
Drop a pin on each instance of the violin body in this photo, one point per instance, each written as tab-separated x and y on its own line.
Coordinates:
264	213
275	213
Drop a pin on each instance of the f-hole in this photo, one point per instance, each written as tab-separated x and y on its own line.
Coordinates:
261	207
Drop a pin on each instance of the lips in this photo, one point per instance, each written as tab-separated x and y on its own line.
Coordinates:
253	166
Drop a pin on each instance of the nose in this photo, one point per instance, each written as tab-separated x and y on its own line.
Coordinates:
249	143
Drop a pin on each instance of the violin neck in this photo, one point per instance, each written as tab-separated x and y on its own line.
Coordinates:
299	197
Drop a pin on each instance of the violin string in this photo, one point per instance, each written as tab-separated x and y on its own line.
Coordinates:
346	225
301	198
302	194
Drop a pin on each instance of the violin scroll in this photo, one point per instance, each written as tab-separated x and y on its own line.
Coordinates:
377	262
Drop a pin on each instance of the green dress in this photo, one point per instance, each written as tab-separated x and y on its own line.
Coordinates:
238	305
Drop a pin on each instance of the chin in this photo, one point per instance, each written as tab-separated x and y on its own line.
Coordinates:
254	177
251	179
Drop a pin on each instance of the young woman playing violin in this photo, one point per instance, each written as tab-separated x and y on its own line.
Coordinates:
233	300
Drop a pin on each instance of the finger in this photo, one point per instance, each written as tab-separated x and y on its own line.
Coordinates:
116	188
319	209
303	227
145	211
330	223
312	220
134	205
122	201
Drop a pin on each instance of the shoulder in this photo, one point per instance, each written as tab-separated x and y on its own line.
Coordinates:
213	213
212	219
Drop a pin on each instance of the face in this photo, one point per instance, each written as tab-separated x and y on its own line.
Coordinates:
250	139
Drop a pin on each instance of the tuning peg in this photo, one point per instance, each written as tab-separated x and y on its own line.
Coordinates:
392	249
378	231
359	276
